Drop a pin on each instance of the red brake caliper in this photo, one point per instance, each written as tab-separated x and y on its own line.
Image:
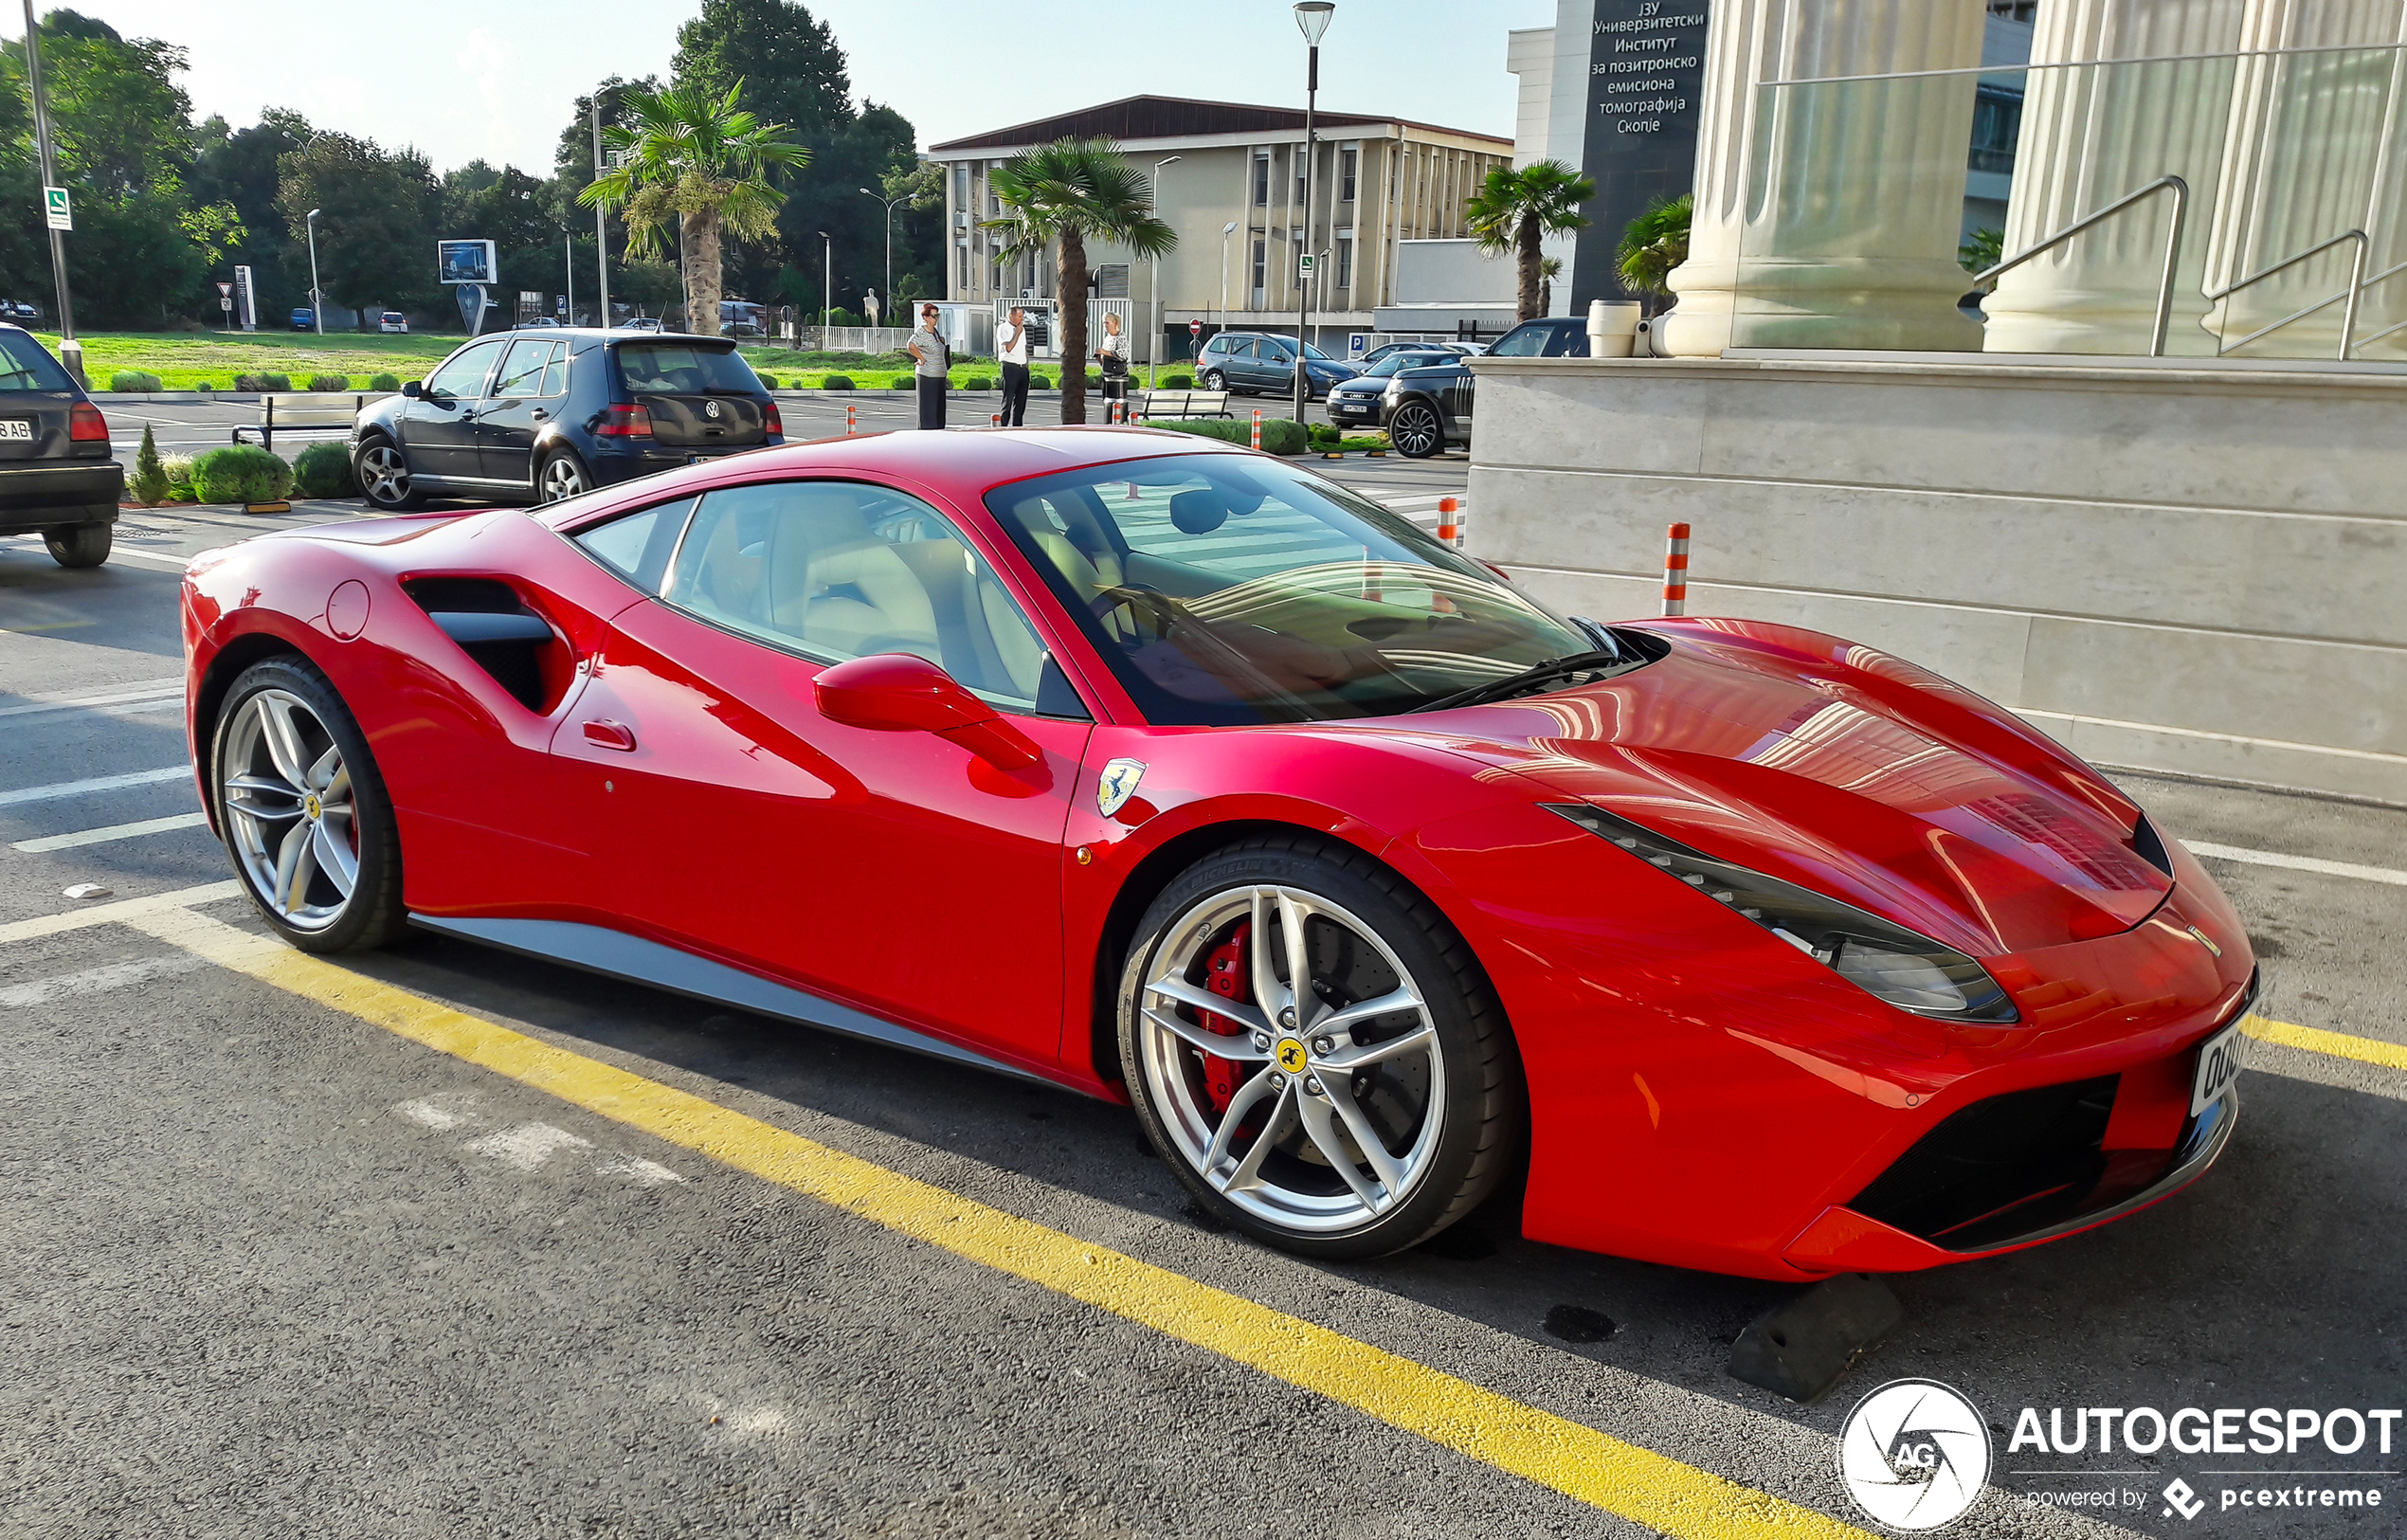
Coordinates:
1229	974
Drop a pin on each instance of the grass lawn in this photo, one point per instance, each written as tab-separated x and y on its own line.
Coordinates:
184	359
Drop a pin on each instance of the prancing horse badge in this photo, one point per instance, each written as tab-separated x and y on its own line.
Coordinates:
1117	784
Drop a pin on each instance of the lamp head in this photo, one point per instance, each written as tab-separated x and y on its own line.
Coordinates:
313	214
1168	160
1229	228
1312	17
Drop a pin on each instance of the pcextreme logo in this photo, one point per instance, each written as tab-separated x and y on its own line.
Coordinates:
1913	1455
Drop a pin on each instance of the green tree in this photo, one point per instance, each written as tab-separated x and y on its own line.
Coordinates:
376	232
1061	195
789	64
237	168
149	481
704	163
1653	244
1983	249
573	171
1514	210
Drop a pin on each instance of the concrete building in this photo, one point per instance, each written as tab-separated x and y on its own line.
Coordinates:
1235	197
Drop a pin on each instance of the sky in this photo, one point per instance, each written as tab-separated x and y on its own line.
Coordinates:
498	82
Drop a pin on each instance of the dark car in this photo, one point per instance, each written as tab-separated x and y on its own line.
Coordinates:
1426	405
1391	349
1254	363
56	475
543	415
17	310
1355	403
1548	336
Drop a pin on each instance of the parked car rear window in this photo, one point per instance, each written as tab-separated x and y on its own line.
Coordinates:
25	365
683	369
1395	361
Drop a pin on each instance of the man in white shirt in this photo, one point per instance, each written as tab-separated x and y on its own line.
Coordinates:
1011	348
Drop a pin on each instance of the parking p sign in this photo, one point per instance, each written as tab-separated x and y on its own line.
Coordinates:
54	206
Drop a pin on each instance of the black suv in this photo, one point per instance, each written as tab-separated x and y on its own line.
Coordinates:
56	475
1427	405
547	413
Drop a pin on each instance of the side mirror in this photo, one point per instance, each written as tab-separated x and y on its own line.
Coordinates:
413	389
893	692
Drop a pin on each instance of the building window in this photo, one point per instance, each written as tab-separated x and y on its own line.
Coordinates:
1300	163
1262	181
1997	123
965	268
1345	262
1261	261
1345	164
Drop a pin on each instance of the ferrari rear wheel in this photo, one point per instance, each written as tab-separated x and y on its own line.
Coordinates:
1314	1050
304	811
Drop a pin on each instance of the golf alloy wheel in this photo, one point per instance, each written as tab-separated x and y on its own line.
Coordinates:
562	476
1415	431
1292	1060
292	821
384	476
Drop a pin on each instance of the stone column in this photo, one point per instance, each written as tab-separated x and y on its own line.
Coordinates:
2091	135
2315	148
1828	216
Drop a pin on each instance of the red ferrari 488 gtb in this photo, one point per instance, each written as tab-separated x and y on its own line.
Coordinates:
1171	773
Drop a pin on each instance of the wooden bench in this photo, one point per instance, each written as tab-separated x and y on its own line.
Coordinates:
1175	404
311	412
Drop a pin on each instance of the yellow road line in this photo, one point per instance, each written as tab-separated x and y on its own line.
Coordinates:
1676	1499
2316	1040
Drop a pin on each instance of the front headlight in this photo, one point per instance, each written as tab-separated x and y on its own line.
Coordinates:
1908	969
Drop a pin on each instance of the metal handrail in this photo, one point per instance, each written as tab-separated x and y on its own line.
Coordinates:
2352	294
2181	190
2392	271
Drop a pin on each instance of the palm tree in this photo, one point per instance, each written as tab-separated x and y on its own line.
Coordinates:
695	158
1654	243
1061	195
1548	271
1514	211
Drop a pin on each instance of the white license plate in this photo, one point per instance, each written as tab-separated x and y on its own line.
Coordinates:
16	428
2218	1066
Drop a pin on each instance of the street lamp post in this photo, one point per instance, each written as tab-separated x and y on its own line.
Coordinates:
1226	230
890	203
70	351
1153	205
601	218
1312	17
826	285
316	299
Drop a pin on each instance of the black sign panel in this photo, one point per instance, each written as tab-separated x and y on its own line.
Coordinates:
1646	74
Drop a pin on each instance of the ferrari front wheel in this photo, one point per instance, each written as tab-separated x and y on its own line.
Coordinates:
1316	1052
303	810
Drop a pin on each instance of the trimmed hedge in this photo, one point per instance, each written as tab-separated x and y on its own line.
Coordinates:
768	382
1040	382
329	383
1178	382
323	470
384	382
263	384
134	379
241	473
1280	435
838	382
977	382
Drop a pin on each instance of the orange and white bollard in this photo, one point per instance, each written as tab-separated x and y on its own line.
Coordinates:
1450	522
1676	570
1257	428
994	419
852	420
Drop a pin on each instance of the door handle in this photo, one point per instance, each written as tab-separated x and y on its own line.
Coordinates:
605	734
541	415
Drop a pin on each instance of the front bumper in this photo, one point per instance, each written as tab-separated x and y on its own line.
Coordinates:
49	495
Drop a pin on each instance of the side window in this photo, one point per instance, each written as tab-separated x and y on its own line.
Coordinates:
1563	342
637	546
523	371
1521	342
556	374
839	570
462	377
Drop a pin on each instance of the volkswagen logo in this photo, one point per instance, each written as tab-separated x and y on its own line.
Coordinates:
711	410
1914	1455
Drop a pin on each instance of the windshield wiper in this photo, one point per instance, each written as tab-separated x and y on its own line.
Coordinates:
1537	673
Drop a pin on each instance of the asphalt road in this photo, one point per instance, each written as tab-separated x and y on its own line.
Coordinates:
273	1268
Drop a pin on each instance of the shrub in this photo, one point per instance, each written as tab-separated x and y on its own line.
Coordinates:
384	382
263	384
206	385
1178	382
134	379
836	382
768	382
1038	382
323	470
149	481
241	473
906	382
1280	435
1324	436
978	382
329	382
179	477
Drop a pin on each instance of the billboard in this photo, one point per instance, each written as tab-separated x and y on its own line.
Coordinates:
464	262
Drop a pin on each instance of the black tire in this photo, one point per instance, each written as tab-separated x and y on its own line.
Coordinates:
381	470
1484	1107
80	544
372	914
560	475
1416	431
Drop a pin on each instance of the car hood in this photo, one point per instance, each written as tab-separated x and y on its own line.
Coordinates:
1844	770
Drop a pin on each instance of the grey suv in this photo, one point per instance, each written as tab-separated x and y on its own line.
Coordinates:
1260	362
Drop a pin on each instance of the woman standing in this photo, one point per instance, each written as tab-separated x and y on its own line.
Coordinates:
931	362
1113	355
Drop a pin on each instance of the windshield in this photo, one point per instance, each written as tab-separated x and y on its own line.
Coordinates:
684	369
25	365
1395	361
1224	591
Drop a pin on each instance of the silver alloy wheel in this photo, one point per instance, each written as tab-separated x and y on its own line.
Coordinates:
1415	430
562	478
1340	1094
1213	380
285	795
384	474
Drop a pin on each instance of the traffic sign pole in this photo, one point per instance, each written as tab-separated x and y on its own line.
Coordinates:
70	351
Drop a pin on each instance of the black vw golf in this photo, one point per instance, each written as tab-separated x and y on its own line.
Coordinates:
540	415
54	471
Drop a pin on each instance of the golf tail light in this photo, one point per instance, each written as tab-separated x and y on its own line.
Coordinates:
86	426
622	421
772	423
1884	959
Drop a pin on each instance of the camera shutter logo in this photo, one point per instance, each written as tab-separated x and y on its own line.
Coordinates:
1914	1455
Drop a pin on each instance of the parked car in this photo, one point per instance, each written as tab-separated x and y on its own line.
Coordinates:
641	323
1391	349
1548	336
1426	405
1356	403
1720	944
1260	362
393	320
528	417
533	321
303	317
56	474
17	310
